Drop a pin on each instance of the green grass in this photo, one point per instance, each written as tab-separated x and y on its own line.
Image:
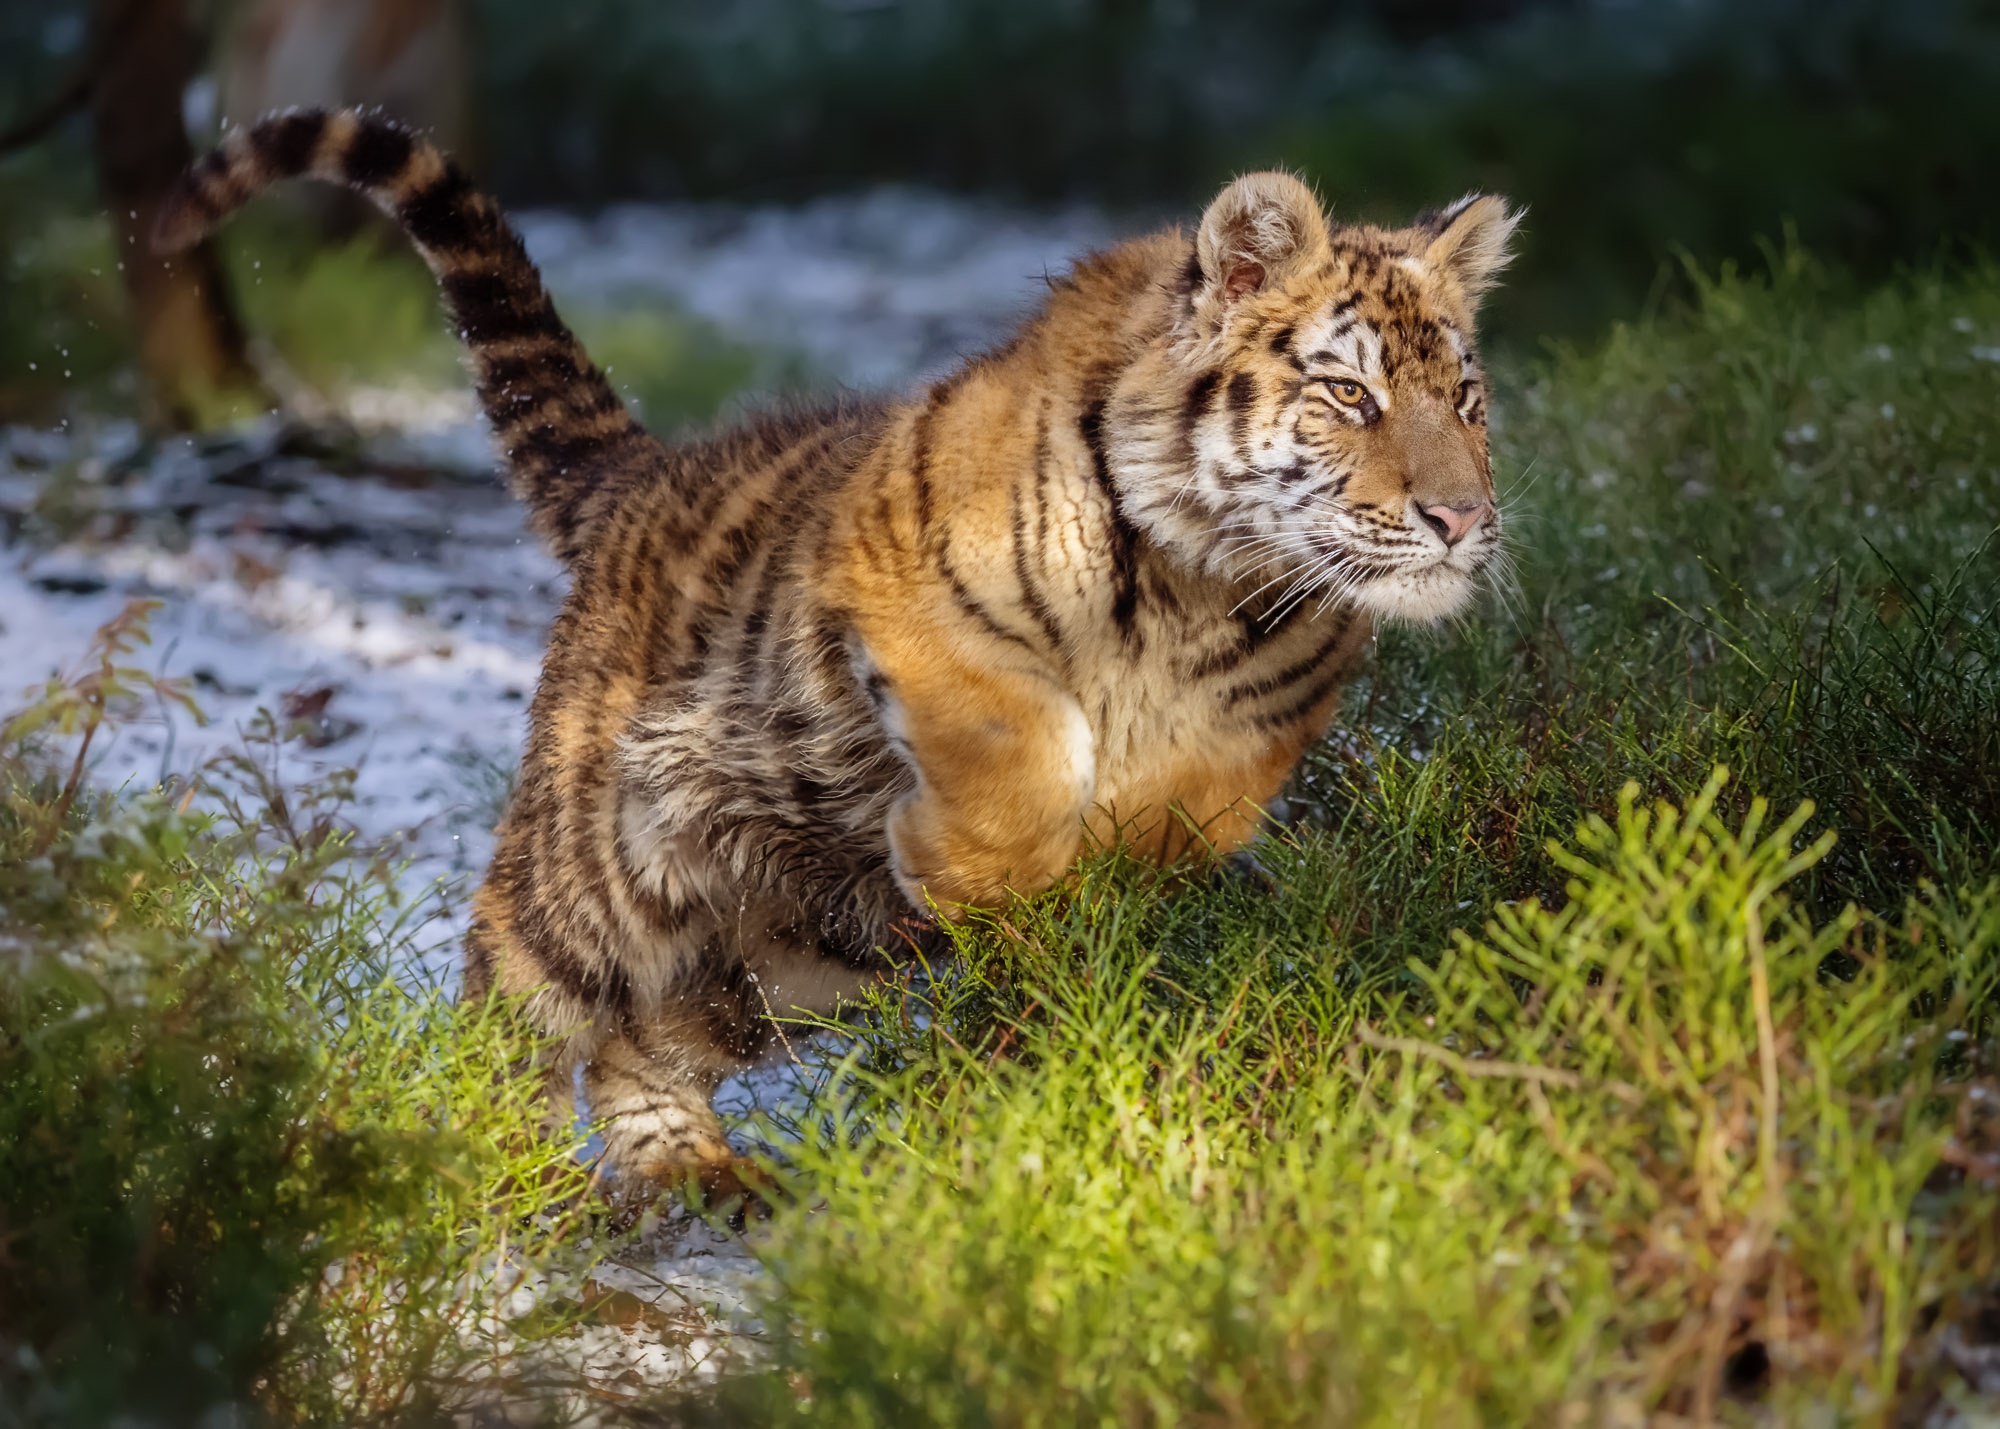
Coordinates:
1182	1173
1542	1074
1539	1073
247	1167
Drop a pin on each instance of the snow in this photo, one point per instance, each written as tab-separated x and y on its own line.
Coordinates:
421	610
389	602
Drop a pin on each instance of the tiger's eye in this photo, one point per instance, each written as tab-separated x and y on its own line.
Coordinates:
1352	393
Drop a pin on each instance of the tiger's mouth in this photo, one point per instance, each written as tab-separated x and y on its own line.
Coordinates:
1426	591
1424	595
1325	568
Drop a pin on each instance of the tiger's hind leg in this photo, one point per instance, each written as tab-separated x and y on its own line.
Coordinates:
683	995
648	1068
651	1104
650	1085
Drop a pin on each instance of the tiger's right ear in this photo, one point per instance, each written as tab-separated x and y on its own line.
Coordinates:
1259	231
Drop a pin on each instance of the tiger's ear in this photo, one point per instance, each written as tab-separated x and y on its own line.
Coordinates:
1472	241
1258	232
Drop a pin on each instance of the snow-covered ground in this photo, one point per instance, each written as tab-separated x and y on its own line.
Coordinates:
396	626
389	607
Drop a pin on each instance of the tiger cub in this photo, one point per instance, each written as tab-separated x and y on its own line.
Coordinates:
827	676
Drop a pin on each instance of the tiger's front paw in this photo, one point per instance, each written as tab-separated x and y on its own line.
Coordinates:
961	859
916	848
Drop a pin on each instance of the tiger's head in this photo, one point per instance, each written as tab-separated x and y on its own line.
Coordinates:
1312	421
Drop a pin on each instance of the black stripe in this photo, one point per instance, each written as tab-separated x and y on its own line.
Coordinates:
519	414
1221	662
1304	705
920	461
1261	627
556	958
1292	673
377	154
1242	400
437	215
743	541
966	601
560	451
1201	392
1031	595
1124	535
738	537
490	309
757	624
531	372
639	559
556	499
287	142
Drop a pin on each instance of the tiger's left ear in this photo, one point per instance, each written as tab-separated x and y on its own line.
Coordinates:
1472	241
1260	230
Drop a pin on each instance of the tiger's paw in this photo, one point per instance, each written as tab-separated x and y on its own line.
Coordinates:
735	1187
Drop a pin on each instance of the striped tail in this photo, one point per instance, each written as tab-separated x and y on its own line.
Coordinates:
562	427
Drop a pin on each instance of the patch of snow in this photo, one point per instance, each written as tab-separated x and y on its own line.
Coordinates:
419	611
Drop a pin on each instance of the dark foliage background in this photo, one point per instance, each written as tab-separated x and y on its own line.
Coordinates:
1630	127
1633	129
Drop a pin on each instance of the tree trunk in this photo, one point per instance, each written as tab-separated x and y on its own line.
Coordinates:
191	344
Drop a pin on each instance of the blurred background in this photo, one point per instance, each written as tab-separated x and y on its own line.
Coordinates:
797	159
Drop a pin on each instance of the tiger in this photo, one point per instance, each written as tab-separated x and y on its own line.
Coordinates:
832	678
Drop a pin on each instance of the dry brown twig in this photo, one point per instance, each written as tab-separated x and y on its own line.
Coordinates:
1487	1067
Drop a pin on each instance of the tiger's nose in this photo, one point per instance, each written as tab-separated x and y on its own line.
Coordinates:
1455	523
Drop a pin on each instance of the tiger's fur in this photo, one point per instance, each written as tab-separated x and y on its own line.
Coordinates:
829	671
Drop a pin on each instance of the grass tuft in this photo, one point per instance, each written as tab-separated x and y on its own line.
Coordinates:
1596	1162
248	1165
